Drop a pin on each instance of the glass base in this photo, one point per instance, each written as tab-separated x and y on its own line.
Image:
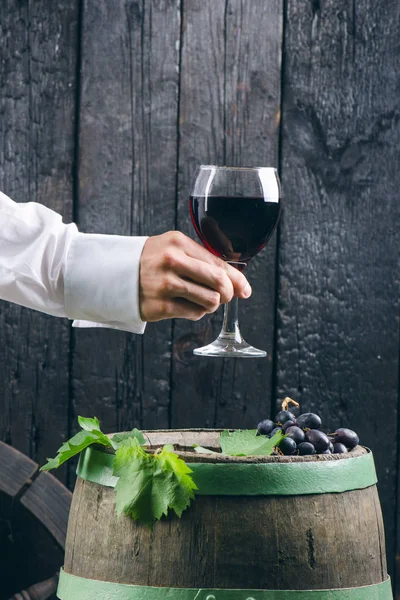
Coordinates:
227	347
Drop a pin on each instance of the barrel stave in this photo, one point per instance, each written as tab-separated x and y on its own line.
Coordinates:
323	541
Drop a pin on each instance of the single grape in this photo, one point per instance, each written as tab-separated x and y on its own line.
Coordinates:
283	416
331	448
319	439
296	434
287	446
305	448
287	424
348	437
265	427
327	451
309	420
273	432
339	448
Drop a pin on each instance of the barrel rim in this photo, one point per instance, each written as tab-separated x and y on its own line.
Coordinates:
190	456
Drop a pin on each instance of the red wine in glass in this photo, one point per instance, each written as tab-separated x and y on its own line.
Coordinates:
234	211
234	228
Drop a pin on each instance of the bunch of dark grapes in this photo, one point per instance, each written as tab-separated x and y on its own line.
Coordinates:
303	435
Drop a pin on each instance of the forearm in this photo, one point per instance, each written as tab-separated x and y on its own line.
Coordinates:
49	266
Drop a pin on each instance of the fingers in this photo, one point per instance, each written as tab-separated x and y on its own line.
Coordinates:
205	298
183	309
178	278
211	276
241	286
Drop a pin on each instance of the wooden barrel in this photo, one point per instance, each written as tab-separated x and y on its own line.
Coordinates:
261	528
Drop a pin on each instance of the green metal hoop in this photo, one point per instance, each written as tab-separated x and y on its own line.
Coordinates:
255	479
79	588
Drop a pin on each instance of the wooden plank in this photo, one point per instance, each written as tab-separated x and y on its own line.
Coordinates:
37	71
230	98
16	470
128	141
201	121
338	343
252	105
49	501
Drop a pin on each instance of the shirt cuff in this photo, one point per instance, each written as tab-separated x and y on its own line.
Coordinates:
101	281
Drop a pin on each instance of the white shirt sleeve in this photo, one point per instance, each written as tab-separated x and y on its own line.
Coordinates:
51	267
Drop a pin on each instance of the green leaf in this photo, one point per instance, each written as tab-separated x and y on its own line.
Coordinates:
268	447
183	486
52	463
89	424
202	450
135	433
248	443
90	435
151	484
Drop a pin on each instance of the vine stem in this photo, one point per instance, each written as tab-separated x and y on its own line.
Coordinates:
288	401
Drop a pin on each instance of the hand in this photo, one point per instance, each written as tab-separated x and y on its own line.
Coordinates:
181	279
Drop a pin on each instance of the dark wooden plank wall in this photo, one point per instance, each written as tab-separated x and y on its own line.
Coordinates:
128	133
106	107
38	82
338	330
227	117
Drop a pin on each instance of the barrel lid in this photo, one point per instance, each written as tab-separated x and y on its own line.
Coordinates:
184	439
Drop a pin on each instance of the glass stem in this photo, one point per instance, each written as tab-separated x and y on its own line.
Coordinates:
230	328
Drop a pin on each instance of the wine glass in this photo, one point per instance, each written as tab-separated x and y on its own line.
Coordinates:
234	211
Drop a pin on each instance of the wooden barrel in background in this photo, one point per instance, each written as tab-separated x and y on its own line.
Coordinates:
262	528
34	509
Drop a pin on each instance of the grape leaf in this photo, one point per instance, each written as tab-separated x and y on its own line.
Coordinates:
135	433
151	484
248	443
183	484
89	435
89	424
